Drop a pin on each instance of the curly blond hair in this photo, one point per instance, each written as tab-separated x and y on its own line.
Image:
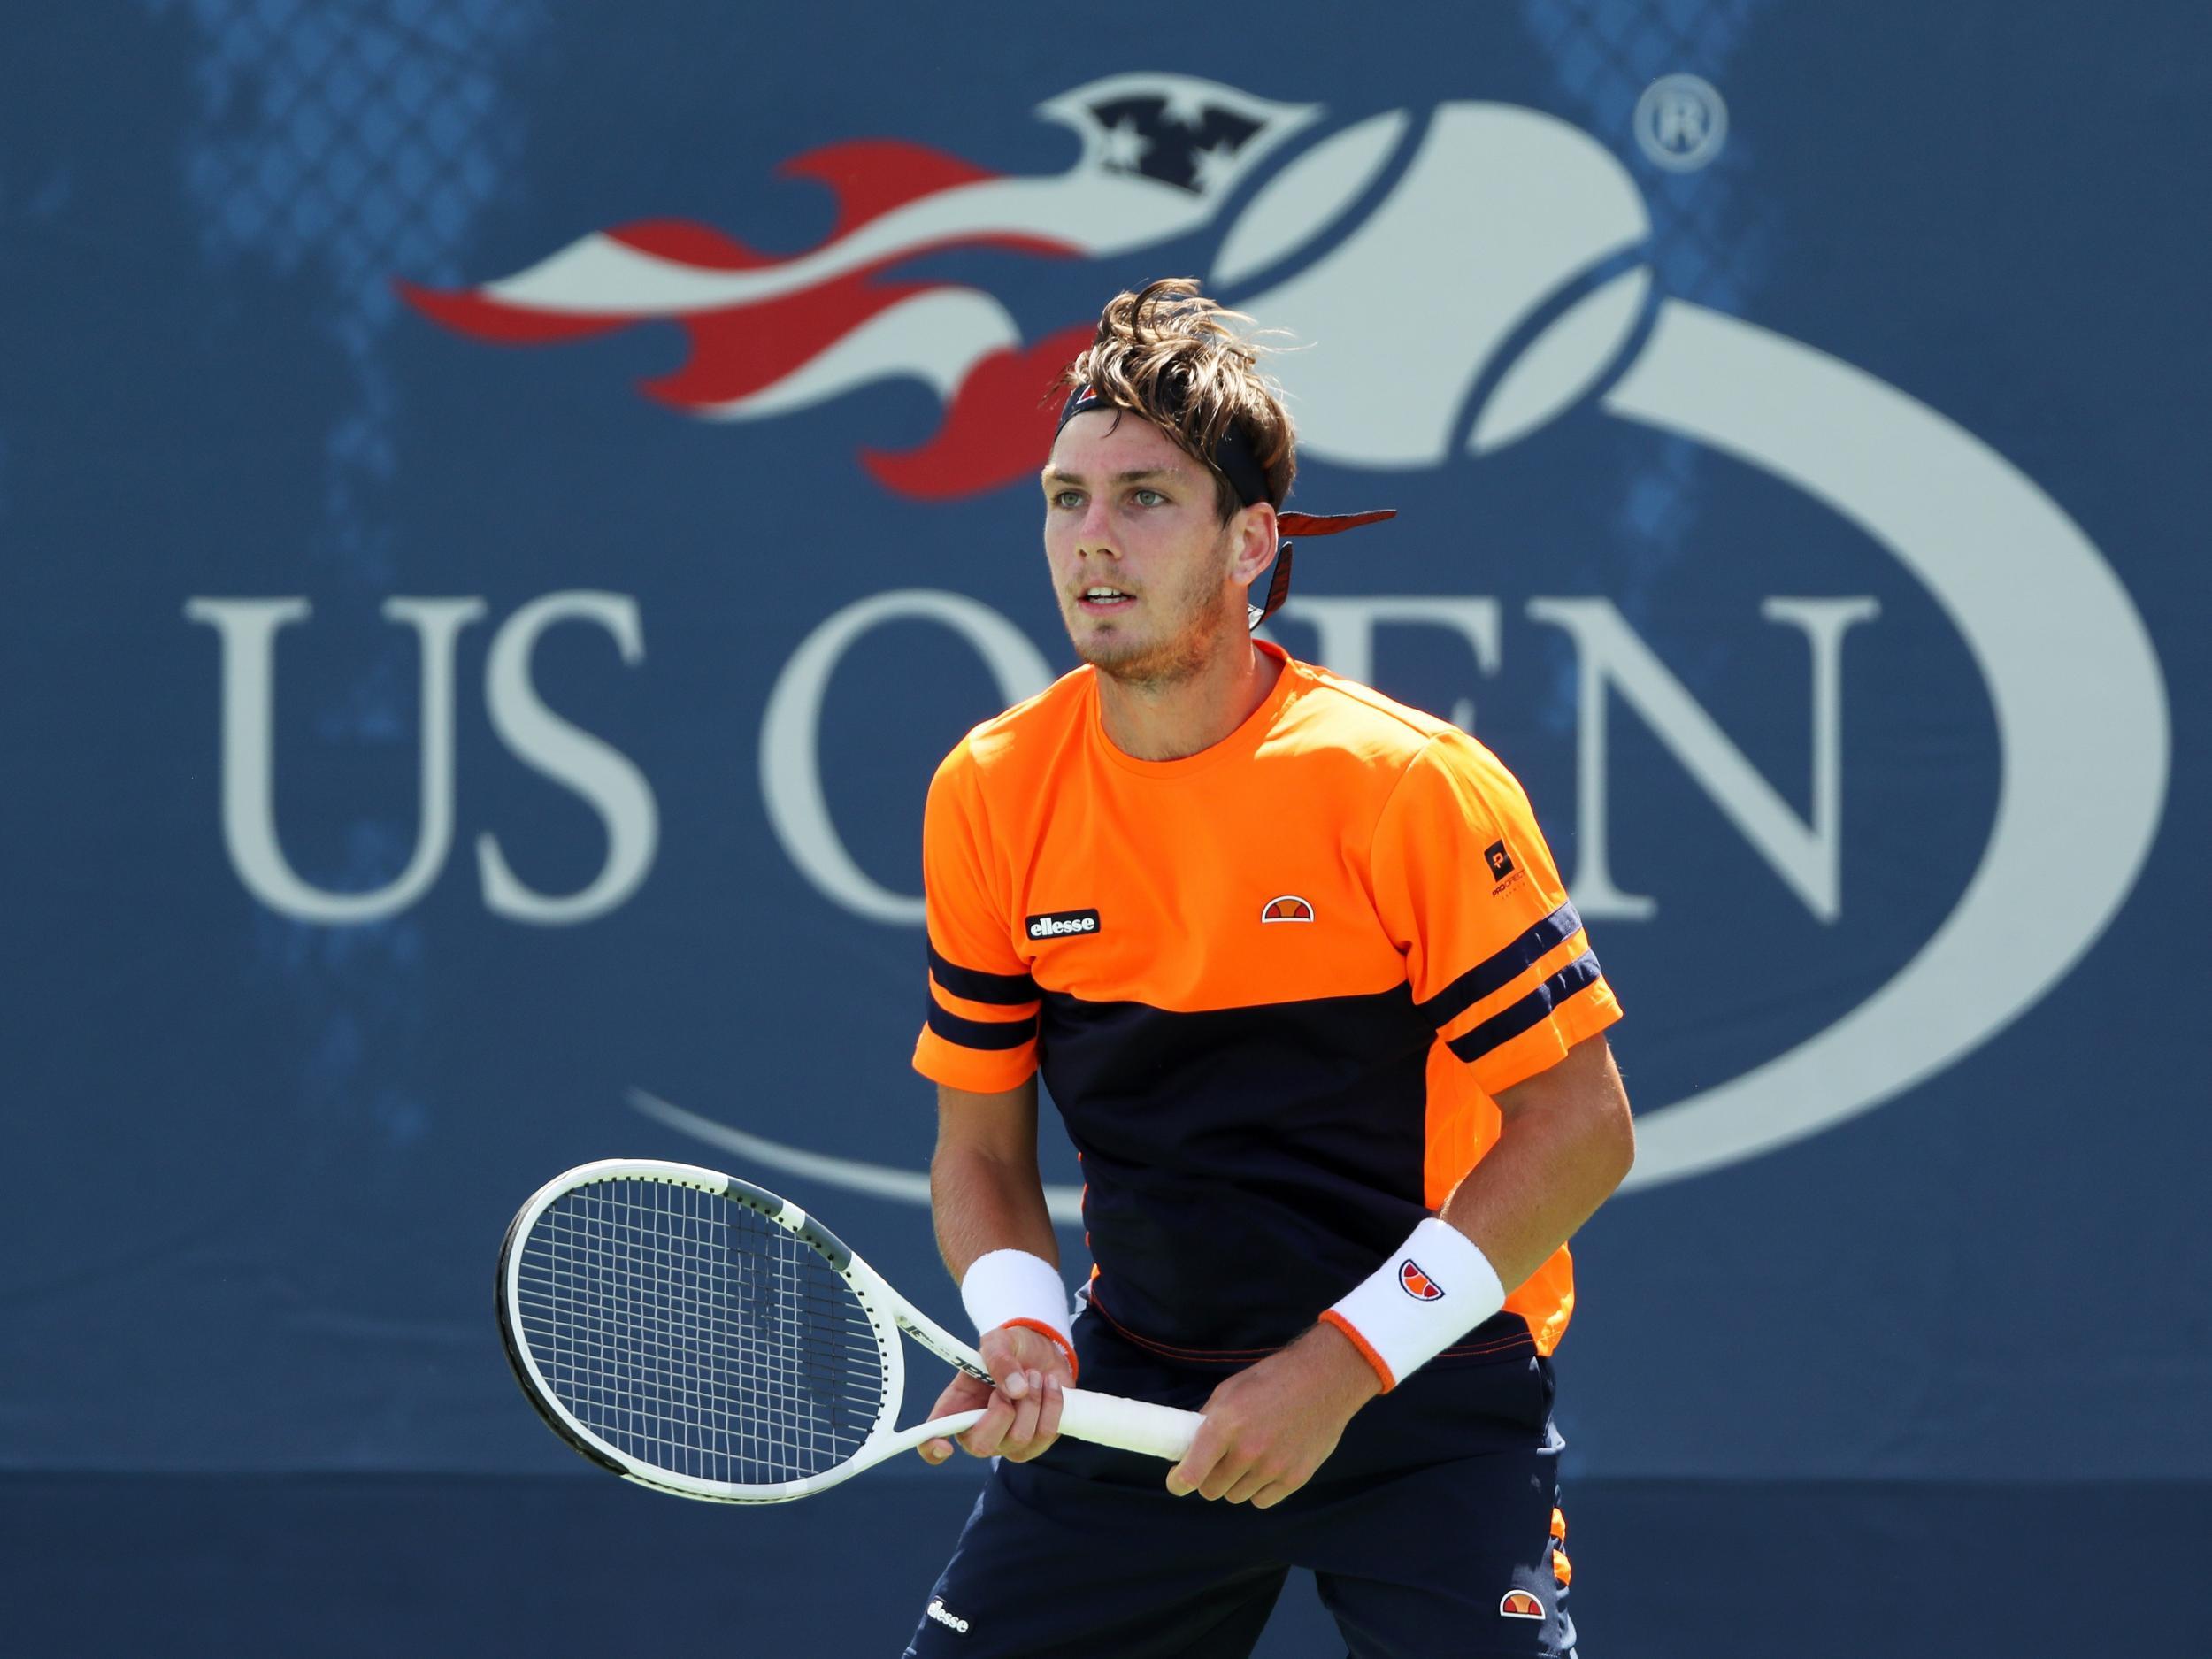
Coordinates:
1168	353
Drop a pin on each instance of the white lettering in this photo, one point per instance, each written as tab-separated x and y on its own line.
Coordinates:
1346	624
1806	856
586	765
2084	730
1052	927
790	733
248	628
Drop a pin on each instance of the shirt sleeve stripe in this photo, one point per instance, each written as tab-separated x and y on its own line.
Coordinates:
976	1033
1531	1010
975	985
1486	978
961	1006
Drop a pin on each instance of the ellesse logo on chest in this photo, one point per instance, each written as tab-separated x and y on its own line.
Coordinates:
1062	924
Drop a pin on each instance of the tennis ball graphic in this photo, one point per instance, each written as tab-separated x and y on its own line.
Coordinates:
1502	213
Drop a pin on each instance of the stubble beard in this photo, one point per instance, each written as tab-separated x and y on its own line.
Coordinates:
1191	626
1191	636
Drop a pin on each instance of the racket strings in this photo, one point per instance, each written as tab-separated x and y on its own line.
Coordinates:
694	1334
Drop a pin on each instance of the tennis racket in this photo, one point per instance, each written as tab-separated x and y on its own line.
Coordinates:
700	1336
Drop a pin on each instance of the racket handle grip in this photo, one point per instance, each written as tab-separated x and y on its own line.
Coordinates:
1134	1425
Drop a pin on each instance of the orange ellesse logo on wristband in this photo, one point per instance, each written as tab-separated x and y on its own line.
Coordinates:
1417	1284
1520	1604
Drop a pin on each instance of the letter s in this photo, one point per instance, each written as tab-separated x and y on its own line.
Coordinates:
589	766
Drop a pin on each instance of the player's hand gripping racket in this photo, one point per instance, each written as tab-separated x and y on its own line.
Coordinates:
700	1336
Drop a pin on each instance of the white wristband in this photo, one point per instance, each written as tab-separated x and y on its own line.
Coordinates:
1014	1287
1437	1287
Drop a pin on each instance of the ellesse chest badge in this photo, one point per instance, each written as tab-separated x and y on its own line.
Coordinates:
1062	924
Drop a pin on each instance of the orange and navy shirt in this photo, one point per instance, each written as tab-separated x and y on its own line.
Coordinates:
1274	988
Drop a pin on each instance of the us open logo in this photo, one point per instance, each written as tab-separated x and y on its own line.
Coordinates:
1450	310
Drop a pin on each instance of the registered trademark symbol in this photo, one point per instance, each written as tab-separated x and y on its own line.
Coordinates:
1681	122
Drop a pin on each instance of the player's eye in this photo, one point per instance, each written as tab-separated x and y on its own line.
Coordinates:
1147	497
1065	498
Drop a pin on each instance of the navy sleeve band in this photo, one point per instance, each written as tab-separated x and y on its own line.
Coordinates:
977	1033
1500	971
1532	1010
974	986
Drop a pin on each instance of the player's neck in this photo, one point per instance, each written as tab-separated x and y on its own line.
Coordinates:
1153	721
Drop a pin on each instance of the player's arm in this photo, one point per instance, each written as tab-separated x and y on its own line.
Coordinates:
983	1181
1566	1142
995	1235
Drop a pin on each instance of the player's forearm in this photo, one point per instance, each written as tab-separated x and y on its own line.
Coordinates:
983	1202
1567	1143
995	1235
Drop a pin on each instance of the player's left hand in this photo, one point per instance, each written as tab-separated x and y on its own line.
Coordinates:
1269	1428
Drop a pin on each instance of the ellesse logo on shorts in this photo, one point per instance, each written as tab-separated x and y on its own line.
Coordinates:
1055	923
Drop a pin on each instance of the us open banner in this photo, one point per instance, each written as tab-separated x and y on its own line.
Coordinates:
501	512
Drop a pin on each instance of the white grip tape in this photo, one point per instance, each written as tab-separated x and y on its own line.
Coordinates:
1437	1287
1002	1285
1134	1425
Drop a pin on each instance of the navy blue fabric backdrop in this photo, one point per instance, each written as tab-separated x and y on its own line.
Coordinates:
502	507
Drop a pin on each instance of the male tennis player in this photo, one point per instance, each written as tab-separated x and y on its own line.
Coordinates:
1304	983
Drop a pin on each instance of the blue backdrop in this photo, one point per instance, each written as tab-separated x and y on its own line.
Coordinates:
502	507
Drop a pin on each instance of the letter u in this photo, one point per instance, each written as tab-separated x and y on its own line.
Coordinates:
248	629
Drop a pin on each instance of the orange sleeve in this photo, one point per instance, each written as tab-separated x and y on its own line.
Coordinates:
1497	957
981	1031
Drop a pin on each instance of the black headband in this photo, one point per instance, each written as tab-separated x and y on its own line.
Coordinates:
1232	458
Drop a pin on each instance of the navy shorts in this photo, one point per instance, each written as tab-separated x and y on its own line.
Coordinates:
1429	1532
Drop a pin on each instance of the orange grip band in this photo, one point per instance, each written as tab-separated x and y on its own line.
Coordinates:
1058	1342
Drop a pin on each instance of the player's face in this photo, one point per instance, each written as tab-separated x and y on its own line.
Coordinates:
1142	562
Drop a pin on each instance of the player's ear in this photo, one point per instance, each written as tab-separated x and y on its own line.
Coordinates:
1255	532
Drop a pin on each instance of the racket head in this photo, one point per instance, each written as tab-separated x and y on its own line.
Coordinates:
696	1333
